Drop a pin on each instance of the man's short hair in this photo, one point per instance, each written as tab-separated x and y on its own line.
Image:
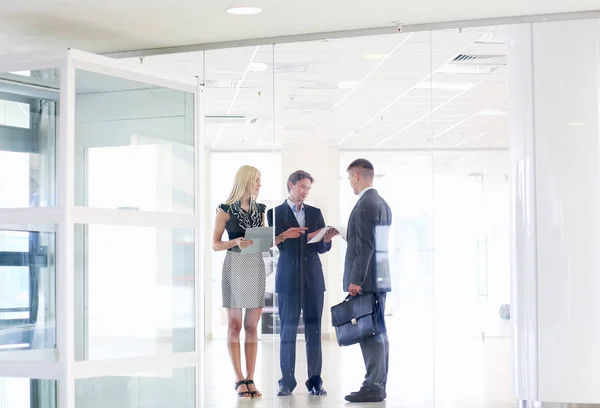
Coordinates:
364	167
297	176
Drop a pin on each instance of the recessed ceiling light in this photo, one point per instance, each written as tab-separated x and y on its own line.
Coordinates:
258	67
447	86
576	124
348	84
244	10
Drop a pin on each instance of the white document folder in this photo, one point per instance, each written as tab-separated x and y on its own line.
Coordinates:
319	237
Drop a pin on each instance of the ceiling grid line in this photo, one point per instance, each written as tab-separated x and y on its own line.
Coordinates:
431	112
348	94
393	102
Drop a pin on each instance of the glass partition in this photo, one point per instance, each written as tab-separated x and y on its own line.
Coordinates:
134	145
239	126
471	213
338	101
428	110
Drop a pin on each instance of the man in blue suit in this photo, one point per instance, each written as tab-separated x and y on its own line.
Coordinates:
299	282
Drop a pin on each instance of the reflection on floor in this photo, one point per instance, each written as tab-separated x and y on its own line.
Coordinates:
465	374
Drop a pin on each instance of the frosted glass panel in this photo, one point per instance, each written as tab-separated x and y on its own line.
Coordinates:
173	389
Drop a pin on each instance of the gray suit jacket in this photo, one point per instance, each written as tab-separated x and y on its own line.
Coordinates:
367	261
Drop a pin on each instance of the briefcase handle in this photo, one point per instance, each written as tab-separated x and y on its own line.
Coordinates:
349	296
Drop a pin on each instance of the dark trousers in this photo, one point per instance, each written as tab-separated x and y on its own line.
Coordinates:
376	353
311	304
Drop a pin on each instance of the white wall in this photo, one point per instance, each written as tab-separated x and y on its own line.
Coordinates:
553	92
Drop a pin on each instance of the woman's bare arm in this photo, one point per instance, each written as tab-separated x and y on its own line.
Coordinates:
218	244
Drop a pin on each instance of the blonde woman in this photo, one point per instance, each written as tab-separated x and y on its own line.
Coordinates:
244	275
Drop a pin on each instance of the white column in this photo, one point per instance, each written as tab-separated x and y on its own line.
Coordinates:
65	261
323	163
206	218
555	234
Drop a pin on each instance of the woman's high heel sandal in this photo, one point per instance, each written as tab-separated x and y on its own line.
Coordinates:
243	394
255	394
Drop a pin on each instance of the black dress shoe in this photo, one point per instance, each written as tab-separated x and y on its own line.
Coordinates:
365	395
317	390
284	391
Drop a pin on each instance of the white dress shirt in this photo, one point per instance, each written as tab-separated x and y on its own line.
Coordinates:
300	215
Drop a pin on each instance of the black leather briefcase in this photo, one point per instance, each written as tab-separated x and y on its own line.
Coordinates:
356	318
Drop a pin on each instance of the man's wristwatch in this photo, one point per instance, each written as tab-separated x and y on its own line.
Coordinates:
282	238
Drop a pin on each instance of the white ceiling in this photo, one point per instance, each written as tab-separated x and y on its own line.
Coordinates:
118	25
357	93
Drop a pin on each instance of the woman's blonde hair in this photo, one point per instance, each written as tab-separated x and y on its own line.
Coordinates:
243	182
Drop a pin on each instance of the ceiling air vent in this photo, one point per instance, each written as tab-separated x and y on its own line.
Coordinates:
479	59
473	64
463	57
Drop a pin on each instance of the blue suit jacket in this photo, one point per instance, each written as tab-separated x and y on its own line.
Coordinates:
299	266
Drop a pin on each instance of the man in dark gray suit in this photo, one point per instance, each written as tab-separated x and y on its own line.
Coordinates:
367	270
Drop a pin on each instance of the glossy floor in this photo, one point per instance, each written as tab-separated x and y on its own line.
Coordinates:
452	372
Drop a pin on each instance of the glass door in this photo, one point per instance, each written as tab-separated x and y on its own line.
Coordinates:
459	254
135	269
471	248
494	259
